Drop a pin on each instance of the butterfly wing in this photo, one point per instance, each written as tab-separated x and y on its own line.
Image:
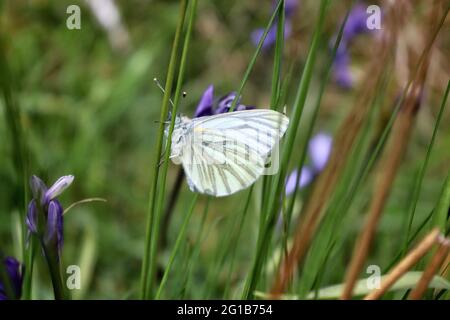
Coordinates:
226	153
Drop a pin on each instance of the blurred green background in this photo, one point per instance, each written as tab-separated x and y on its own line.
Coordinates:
88	108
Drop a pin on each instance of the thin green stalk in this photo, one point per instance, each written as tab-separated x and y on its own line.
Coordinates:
192	259
55	273
278	58
304	142
225	248
146	281
18	143
255	56
234	245
165	165
441	213
339	203
178	243
419	180
276	86
274	203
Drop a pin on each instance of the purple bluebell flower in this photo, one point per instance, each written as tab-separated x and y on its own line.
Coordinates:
14	272
45	213
207	106
319	149
305	179
342	74
356	24
290	6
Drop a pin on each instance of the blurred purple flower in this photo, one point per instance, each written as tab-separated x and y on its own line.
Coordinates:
342	75
356	24
207	107
14	272
319	149
305	179
290	6
45	213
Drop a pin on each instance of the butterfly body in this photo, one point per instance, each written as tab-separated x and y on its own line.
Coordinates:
225	153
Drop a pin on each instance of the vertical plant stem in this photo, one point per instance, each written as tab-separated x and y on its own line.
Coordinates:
19	146
404	265
55	273
419	181
178	242
165	165
146	281
278	185
309	129
442	208
165	225
276	91
255	56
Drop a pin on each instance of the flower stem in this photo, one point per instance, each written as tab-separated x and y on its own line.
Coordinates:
178	242
55	272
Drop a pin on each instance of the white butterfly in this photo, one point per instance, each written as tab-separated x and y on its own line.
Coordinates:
225	153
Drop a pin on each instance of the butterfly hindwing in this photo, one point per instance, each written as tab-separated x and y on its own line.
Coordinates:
226	153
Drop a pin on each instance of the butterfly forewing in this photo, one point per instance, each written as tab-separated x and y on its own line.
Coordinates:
225	153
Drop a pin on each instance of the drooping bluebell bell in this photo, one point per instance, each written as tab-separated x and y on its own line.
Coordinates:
355	25
14	272
207	106
45	213
290	7
319	150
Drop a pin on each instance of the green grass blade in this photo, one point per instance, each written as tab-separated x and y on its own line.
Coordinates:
255	56
441	214
146	278
165	165
303	144
278	187
177	246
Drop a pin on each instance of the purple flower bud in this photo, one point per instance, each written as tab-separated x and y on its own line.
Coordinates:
15	275
45	216
290	6
320	149
342	74
205	106
54	232
356	22
271	37
58	187
32	216
38	188
305	179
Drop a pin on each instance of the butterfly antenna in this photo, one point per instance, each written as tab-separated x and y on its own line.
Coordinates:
158	84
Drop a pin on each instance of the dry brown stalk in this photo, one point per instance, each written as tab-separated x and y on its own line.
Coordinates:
390	162
344	141
435	263
405	264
